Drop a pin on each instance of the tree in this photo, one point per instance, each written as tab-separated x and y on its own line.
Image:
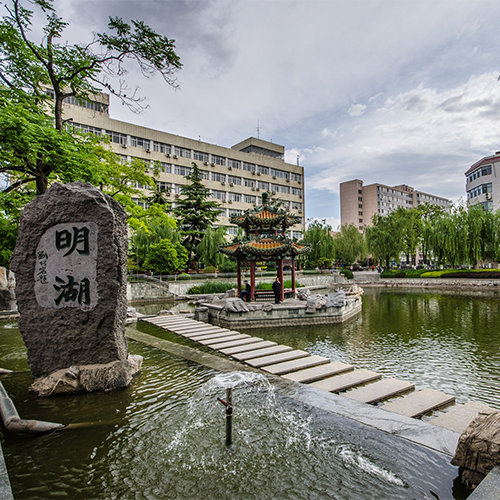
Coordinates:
349	244
166	257
208	248
35	73
194	213
384	239
319	235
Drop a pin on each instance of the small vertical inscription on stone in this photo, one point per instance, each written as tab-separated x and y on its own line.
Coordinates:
66	266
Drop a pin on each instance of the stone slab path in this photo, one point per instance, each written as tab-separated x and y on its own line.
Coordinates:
321	373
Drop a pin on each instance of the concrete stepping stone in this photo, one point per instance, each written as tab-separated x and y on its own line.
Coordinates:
202	331
238	344
218	340
296	364
378	391
345	381
319	372
458	417
217	337
419	403
277	358
258	353
178	322
193	328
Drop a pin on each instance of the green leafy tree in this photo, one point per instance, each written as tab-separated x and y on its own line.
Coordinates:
166	257
208	248
384	239
319	235
349	244
194	212
39	76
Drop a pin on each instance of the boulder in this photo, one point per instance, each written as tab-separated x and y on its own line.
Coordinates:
478	449
236	305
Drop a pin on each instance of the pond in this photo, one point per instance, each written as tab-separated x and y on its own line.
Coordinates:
163	437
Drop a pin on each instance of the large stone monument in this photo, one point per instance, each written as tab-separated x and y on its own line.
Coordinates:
70	265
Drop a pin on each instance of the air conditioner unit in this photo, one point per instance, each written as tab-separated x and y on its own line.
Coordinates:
488	196
124	146
230	168
175	157
253	189
300	211
288	180
167	155
258	173
300	196
253	173
229	201
273	192
212	164
223	182
257	189
231	184
274	177
205	163
177	195
148	150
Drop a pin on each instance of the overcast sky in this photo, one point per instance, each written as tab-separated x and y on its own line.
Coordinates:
388	91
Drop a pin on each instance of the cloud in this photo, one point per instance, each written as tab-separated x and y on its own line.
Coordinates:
356	109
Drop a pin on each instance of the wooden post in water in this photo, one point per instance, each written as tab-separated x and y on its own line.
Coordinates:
229	414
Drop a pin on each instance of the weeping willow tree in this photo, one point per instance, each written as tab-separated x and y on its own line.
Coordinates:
384	239
349	244
319	235
464	237
208	248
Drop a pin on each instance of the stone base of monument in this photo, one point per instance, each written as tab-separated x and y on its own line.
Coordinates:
88	378
478	449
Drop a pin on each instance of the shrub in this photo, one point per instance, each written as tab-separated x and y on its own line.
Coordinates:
212	287
269	286
347	273
184	276
210	270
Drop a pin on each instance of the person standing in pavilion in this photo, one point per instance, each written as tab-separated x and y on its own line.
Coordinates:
277	291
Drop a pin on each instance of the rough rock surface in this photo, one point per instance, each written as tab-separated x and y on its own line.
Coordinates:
7	290
478	449
236	305
303	294
70	265
88	378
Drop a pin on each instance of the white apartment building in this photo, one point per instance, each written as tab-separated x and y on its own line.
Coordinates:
236	176
359	203
482	183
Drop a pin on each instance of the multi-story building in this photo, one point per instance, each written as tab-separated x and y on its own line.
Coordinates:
482	183
236	176
359	203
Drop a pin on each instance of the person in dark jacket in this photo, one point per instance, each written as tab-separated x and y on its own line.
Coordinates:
245	294
277	291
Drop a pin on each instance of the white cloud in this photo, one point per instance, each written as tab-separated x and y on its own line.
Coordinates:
356	109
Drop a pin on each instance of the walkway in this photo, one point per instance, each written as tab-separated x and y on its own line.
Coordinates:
321	373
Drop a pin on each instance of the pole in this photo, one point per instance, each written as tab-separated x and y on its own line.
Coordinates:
229	414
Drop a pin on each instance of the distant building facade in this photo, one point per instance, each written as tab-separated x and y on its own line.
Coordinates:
482	183
359	203
236	176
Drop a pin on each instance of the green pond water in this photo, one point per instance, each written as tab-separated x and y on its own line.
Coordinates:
163	437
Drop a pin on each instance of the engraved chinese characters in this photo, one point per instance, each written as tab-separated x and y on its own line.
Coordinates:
70	263
66	266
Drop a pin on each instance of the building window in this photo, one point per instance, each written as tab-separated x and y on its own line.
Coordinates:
263	185
86	129
263	170
296	191
116	137
249	167
218	160
279	173
180	170
219	195
234	196
296	206
205	175
84	103
182	152
249	183
297	235
218	177
198	155
166	167
232	230
163	186
232	179
360	198
233	211
159	147
250	199
296	177
138	142
234	163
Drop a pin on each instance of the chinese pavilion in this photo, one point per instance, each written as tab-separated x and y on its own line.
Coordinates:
265	242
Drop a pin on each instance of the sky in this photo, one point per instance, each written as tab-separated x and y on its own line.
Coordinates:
386	91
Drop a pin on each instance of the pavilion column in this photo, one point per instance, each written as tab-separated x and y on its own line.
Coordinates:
238	271
280	276
293	276
252	280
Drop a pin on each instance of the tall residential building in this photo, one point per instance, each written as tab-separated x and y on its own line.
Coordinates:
236	176
359	203
482	183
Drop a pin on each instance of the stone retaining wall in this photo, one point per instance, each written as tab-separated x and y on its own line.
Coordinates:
144	290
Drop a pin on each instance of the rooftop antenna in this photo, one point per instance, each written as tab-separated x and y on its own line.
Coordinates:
298	156
258	130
